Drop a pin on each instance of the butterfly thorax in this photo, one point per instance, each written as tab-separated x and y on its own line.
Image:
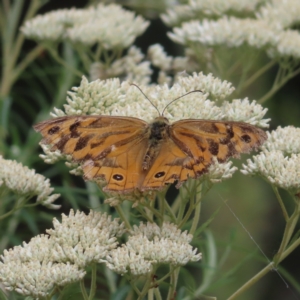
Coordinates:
158	131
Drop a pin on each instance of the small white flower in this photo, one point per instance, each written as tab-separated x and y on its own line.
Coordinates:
25	182
243	110
168	230
177	14
111	26
197	8
229	31
159	57
218	172
130	67
280	159
122	260
149	245
82	239
31	269
277	169
215	87
280	13
288	45
286	139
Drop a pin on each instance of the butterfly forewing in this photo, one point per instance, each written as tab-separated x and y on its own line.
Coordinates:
109	148
204	139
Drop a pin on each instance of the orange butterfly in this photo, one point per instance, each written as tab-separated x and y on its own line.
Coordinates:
130	154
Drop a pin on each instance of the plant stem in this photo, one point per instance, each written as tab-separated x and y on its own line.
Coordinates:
281	254
278	86
83	290
257	74
173	284
285	214
93	283
122	216
288	232
253	280
63	62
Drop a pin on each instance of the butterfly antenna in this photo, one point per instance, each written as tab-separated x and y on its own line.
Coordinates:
195	91
146	97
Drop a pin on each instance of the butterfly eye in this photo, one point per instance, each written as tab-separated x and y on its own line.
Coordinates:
159	174
246	138
118	177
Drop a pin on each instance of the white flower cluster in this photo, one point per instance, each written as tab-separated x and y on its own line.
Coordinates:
288	45
268	31
228	31
195	8
279	162
46	262
286	140
218	172
25	182
150	245
280	13
111	26
169	65
243	110
130	68
110	97
82	239
31	271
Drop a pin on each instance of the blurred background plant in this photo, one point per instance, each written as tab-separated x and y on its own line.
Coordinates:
252	44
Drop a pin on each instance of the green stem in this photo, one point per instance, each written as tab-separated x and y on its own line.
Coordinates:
170	211
84	57
157	294
246	68
122	216
146	288
93	283
290	249
252	281
257	74
83	290
151	294
153	210
26	61
281	254
278	86
196	218
288	232
285	214
173	284
63	62
161	201
147	215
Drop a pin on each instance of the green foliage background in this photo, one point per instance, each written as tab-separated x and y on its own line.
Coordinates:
241	201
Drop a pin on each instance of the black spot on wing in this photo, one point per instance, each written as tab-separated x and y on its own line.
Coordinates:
53	130
82	142
246	138
62	142
74	126
213	147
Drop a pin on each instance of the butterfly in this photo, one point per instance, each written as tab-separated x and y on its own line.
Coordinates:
130	154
